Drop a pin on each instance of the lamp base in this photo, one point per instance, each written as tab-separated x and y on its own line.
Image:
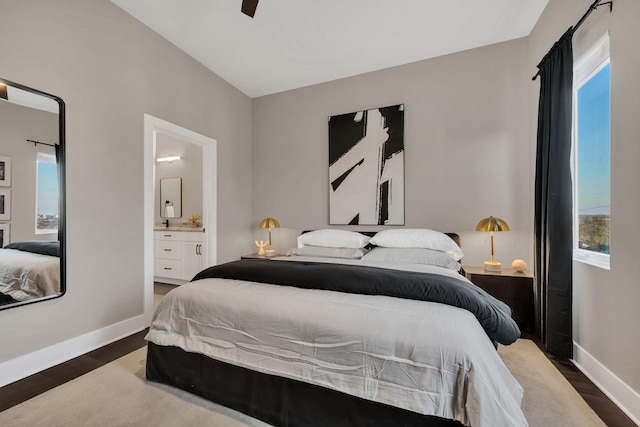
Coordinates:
492	266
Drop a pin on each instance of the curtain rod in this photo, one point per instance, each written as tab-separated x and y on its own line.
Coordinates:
38	142
596	4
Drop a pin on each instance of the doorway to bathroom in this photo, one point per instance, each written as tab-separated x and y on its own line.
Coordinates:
189	185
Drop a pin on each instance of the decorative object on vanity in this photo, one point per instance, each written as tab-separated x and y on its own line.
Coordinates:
29	275
193	220
171	197
5	204
5	171
261	245
270	223
519	265
366	167
491	225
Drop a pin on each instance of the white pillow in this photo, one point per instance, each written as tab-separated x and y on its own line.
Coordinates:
412	256
333	239
417	238
321	251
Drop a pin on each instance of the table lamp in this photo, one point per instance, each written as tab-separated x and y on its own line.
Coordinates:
492	224
270	223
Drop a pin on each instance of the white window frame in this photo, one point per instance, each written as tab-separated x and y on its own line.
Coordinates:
42	158
588	65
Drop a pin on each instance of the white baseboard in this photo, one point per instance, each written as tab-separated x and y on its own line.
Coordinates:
626	398
39	360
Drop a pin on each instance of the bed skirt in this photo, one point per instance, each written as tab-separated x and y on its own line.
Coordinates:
275	400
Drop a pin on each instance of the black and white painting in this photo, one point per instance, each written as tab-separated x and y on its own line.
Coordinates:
4	235
5	204
366	167
5	171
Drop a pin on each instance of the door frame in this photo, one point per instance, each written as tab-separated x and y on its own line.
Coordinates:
153	126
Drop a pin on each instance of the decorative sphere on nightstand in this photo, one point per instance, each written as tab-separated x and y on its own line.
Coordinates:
519	265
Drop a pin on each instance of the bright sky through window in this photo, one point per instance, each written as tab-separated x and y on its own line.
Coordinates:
594	170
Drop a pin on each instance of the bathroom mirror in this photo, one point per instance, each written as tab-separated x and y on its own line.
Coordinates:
171	197
32	183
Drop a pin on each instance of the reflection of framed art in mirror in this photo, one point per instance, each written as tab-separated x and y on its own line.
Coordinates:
5	238
5	204
5	171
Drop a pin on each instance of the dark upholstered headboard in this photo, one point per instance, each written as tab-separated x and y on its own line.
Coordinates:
454	236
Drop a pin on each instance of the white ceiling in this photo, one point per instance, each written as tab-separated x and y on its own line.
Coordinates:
296	43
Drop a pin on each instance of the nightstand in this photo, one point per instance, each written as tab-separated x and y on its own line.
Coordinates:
512	287
256	256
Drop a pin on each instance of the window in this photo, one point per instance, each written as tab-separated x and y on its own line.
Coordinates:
591	156
46	194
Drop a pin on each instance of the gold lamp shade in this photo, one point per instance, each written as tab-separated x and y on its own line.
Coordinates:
270	223
492	224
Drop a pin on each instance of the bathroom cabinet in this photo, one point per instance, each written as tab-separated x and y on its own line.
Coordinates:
179	255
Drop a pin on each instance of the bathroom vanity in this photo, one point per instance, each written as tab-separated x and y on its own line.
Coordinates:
179	255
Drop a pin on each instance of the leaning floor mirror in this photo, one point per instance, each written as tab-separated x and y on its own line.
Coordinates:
32	202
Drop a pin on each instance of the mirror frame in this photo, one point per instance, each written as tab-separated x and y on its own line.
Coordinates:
62	213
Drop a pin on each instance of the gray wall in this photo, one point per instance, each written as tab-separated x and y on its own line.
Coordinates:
466	148
110	70
19	123
189	169
606	316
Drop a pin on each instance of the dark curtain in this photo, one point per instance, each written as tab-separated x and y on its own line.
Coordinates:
553	200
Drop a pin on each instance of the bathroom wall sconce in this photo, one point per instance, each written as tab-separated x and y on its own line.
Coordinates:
3	91
168	159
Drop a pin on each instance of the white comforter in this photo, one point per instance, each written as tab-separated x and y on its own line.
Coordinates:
25	275
426	357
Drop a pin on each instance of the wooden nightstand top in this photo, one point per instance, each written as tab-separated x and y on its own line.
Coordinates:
508	272
256	256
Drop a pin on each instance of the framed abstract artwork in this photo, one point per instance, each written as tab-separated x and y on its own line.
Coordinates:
5	204
366	167
5	171
4	235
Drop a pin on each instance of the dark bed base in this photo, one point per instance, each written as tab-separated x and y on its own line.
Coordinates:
6	299
275	400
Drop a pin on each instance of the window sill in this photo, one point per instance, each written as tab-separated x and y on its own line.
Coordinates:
592	258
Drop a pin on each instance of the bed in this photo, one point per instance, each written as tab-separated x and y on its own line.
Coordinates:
316	340
29	270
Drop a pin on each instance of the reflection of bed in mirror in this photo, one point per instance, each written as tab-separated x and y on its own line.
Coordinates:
29	270
32	180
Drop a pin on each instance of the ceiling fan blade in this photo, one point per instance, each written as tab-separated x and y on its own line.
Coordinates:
249	7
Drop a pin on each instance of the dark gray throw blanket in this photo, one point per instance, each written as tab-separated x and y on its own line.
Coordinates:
493	315
42	247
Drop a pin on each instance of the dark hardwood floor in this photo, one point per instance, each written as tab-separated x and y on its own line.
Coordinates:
595	398
20	391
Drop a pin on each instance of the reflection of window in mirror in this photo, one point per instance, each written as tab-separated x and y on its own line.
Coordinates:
46	194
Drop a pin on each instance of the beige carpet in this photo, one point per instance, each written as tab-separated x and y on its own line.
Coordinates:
117	395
